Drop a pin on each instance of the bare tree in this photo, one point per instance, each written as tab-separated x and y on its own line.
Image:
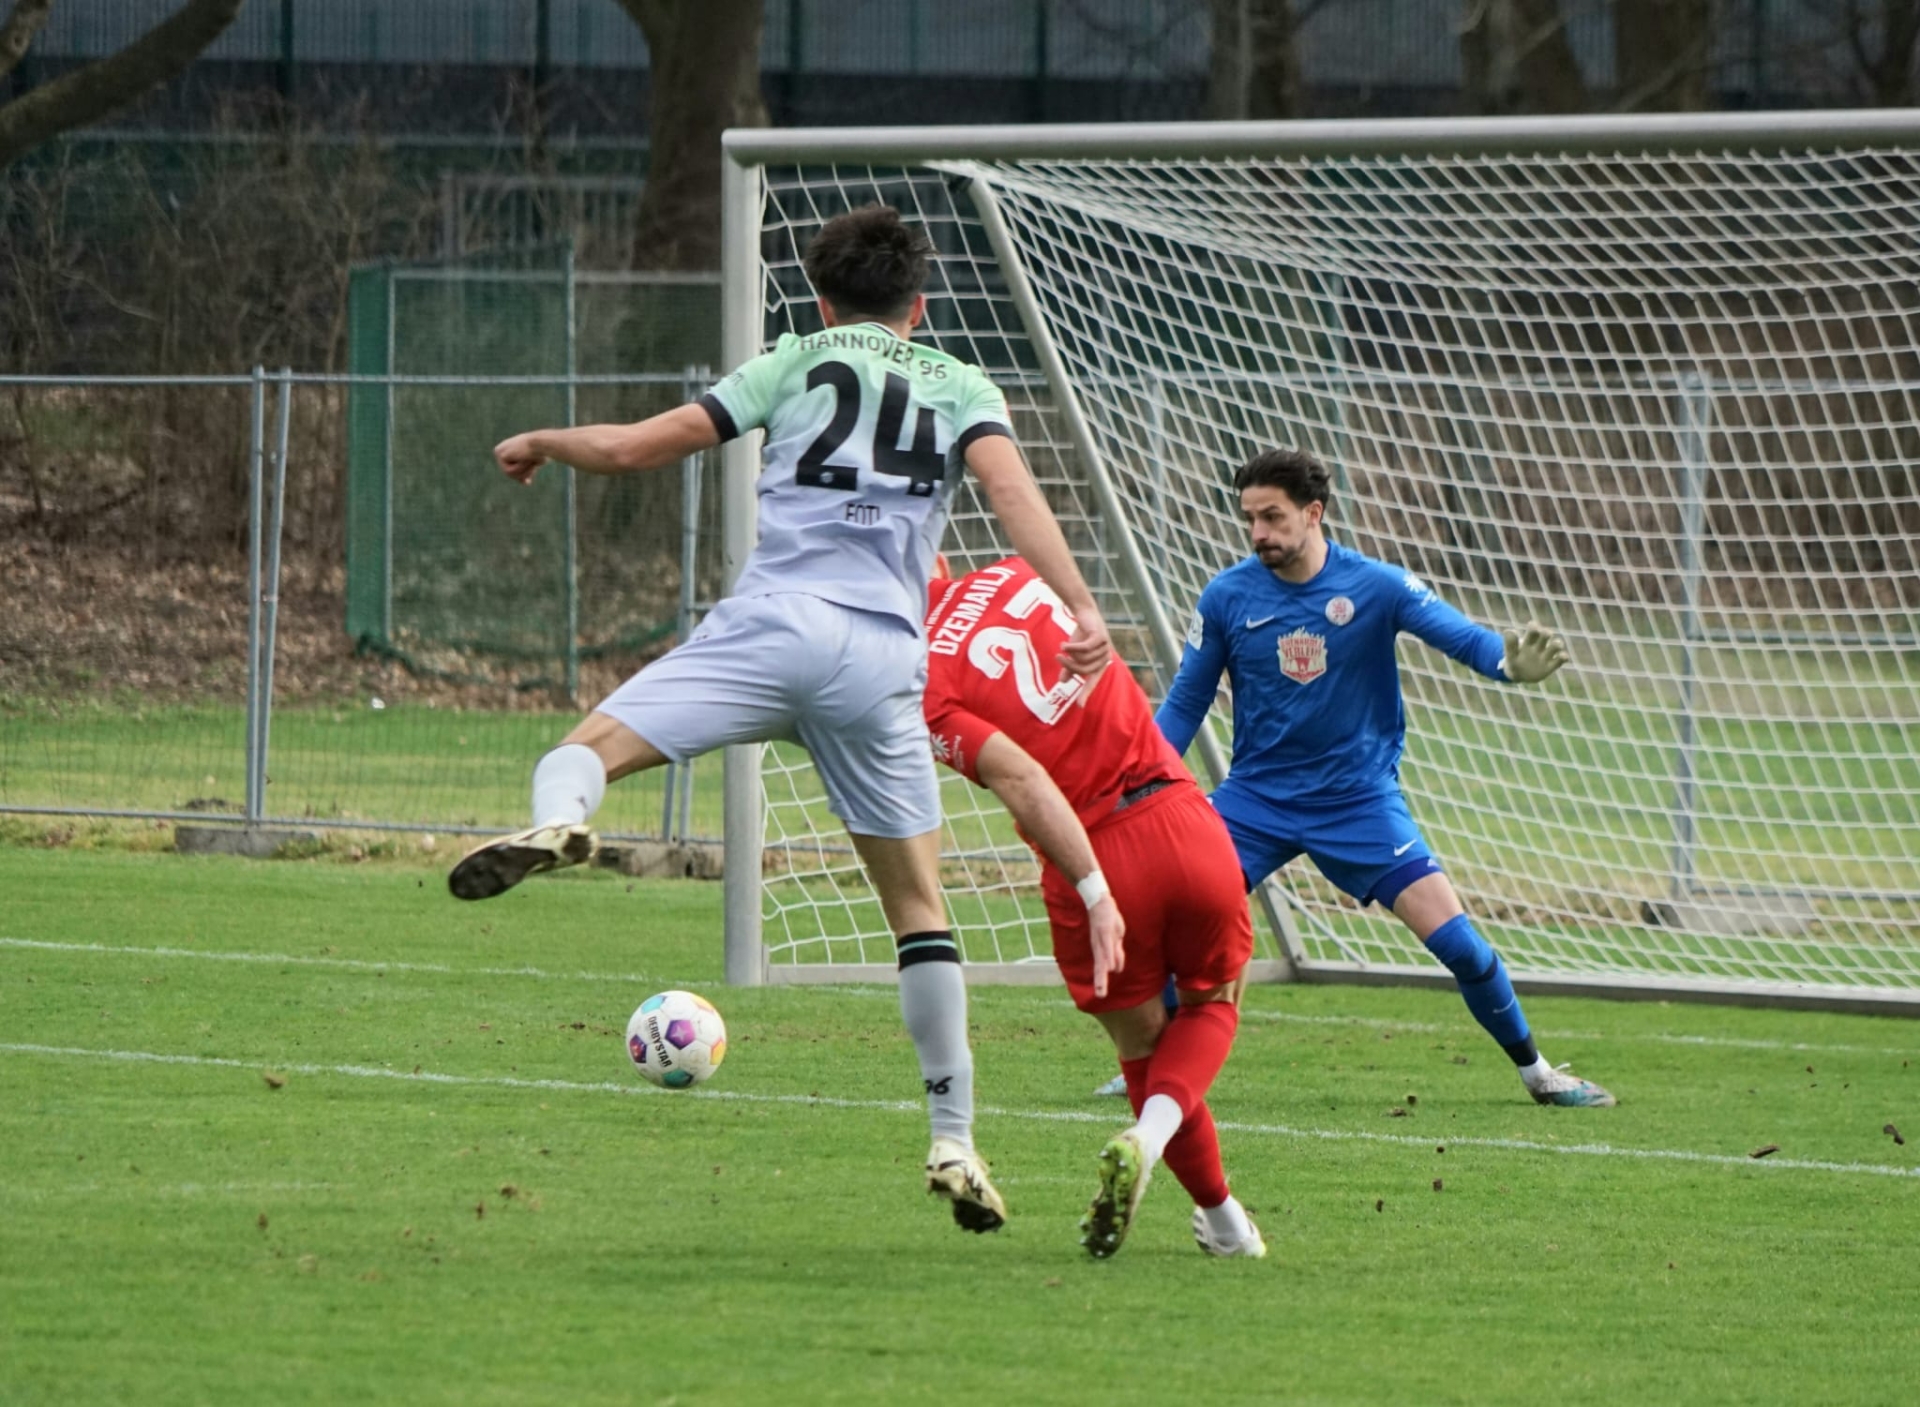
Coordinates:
1887	70
1663	50
91	92
705	70
1517	59
1254	66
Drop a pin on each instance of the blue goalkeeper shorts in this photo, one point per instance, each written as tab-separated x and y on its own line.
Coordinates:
1367	845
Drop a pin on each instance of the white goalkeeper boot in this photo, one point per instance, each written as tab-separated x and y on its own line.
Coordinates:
497	865
959	1175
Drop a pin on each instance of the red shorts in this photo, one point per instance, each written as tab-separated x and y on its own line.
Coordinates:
1174	874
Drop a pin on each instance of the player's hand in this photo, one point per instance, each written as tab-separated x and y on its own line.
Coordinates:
517	458
1089	650
1107	931
1532	653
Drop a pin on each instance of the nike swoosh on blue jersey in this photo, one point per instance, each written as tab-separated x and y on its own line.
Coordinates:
1256	624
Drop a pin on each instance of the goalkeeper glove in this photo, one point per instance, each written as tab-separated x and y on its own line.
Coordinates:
1532	654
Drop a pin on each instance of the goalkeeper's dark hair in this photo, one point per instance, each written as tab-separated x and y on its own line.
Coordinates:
1294	472
869	261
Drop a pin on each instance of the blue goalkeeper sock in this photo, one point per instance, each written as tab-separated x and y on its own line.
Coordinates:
1484	986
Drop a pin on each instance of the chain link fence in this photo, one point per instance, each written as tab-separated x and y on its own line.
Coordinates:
140	682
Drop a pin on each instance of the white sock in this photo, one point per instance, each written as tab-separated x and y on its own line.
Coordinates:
568	785
933	1002
1160	1120
1531	1075
1228	1221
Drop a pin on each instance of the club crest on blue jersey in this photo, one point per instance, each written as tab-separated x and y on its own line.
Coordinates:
1303	656
1340	610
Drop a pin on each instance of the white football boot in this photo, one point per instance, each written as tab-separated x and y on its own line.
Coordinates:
1250	1245
496	866
958	1174
1569	1091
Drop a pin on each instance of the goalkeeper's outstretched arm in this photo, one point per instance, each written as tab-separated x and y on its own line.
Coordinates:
1525	655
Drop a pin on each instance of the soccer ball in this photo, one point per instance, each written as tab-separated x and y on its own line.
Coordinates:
676	1039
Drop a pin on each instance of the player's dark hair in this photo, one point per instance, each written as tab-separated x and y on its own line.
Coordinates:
869	261
1293	471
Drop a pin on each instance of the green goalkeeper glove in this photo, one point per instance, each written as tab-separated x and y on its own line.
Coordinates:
1532	654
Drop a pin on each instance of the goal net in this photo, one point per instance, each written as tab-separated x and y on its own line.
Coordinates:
1656	387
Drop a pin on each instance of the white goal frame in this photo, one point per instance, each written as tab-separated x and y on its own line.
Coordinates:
749	152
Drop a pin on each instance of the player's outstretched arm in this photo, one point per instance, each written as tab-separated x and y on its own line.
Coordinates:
1035	533
1047	818
652	443
1532	653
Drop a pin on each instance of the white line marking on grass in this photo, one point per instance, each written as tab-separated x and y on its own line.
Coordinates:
346	964
888	990
177	1189
902	1106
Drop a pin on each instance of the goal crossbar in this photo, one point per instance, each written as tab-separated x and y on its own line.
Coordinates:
748	147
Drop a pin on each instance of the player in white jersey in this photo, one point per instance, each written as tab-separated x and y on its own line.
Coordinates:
821	638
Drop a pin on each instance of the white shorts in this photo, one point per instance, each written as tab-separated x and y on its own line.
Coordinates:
847	684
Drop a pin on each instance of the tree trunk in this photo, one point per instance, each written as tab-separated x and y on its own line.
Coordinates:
705	68
17	33
1889	73
1662	49
1254	67
105	85
1516	58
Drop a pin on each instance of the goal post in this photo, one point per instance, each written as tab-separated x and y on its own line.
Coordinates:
1655	379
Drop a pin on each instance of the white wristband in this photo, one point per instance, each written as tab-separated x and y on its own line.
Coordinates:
1093	889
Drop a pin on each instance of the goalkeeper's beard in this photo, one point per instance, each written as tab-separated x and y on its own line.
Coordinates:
1280	559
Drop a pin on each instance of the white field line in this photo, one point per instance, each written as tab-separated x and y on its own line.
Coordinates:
901	1106
343	964
641	978
177	1189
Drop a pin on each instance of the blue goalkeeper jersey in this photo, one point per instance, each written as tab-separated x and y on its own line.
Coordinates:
1316	685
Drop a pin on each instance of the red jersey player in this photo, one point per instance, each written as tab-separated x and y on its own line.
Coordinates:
1123	830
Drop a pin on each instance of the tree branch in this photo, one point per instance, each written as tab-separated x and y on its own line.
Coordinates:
105	85
17	33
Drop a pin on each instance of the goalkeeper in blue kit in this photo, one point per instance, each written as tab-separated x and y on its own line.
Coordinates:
1305	631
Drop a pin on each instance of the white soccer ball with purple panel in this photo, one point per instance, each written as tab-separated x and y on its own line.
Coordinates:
676	1039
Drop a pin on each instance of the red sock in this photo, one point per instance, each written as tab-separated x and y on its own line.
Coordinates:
1193	1156
1190	1053
1135	1073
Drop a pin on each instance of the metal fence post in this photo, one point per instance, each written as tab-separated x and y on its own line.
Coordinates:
270	581
693	383
572	490
386	466
256	764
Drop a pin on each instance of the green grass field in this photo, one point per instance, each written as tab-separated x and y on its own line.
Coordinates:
457	1192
